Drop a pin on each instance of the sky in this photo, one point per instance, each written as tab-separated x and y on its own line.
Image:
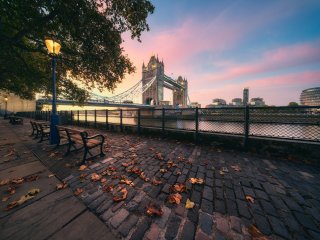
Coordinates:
221	47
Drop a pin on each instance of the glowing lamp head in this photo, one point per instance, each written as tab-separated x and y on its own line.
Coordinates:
6	99
52	46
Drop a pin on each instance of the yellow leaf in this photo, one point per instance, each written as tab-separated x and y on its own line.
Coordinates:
189	204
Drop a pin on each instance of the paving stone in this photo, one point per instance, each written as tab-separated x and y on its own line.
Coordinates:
128	224
222	224
188	231
290	221
181	210
90	198
118	218
196	197
96	203
292	205
219	206
262	224
207	193
161	222
218	192
278	227
279	203
153	232
239	193
182	179
209	182
193	215
202	236
314	235
104	206
243	209
235	223
138	198
306	221
206	206
166	188
154	191
268	208
231	208
205	223
262	195
172	227
117	206
249	192
172	179
141	229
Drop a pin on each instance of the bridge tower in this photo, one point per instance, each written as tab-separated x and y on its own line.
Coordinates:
154	94
180	95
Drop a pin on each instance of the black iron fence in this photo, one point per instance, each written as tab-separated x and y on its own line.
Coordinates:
300	123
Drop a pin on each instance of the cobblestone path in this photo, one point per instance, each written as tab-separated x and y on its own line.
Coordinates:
243	195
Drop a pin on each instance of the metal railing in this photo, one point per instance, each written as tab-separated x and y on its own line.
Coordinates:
301	123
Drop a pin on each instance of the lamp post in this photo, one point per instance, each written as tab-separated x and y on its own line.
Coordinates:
53	49
6	108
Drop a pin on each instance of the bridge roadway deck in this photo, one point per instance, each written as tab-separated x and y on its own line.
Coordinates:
285	194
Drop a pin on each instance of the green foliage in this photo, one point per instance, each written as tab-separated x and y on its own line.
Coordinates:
293	104
90	35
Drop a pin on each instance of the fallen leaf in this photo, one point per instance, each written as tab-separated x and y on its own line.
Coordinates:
127	181
12	152
31	178
162	170
78	191
4	181
112	168
11	205
11	190
189	204
171	164
83	167
250	199
236	168
83	175
51	155
178	187
221	173
107	188
103	180
128	163
51	175
61	185
120	195
17	180
177	173
143	177
158	156
224	169
95	177
31	194
256	233
196	180
67	165
174	198
181	158
5	198
154	209
106	172
156	182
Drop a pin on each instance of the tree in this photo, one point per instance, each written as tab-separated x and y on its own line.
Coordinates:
90	35
293	104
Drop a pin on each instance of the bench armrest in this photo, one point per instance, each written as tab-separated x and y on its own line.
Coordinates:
95	136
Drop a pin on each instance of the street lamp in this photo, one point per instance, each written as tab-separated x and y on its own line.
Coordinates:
53	49
6	106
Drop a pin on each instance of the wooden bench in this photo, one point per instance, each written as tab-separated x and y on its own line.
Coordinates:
79	139
15	120
40	129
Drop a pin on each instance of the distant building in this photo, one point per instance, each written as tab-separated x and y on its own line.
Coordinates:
257	102
245	96
164	103
219	102
310	97
237	102
195	104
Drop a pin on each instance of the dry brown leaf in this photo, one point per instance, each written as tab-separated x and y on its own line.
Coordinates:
51	175
156	182
12	152
78	191
154	209
31	178
127	181
95	177
128	163
178	187
196	180
143	177
103	180
174	198
31	194
256	234
158	156
178	173
250	199
83	167
162	170
60	186
236	168
112	168
52	155
189	204
4	181
11	205
106	172
221	173
5	198
17	180
11	190
107	188
120	195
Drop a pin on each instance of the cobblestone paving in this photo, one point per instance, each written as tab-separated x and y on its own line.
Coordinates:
286	195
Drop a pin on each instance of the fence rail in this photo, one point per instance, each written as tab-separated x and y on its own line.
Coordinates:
301	123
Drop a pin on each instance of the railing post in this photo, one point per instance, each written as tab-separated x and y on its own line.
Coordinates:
196	137
95	118
78	116
139	121
71	117
121	126
107	120
85	118
163	120
246	127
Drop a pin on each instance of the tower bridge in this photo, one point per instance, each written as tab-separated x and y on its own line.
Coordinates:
150	88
